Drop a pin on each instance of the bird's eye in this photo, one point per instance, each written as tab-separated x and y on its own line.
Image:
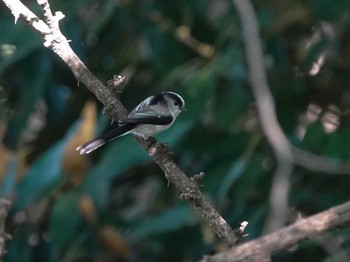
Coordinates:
176	103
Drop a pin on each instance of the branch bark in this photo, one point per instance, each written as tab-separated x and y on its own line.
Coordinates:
115	110
306	228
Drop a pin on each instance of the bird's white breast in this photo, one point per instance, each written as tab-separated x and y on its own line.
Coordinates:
146	131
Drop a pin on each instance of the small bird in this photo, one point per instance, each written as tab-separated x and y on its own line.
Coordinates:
152	116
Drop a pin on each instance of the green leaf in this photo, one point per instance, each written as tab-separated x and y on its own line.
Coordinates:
43	172
167	221
65	221
234	173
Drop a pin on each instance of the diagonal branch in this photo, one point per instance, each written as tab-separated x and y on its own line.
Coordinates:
306	228
114	109
20	10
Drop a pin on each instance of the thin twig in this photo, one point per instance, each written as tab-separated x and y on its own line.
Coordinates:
58	43
306	228
49	18
318	163
268	119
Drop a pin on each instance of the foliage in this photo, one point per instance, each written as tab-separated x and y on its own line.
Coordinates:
115	205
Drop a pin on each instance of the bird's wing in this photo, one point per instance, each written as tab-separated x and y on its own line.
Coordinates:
146	117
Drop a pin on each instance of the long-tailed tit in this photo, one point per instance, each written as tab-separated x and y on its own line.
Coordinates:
152	116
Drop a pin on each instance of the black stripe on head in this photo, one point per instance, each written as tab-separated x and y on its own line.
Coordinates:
176	98
159	98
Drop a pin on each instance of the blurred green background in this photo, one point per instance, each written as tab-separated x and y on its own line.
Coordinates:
115	205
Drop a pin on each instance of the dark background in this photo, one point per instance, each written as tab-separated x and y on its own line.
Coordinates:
115	205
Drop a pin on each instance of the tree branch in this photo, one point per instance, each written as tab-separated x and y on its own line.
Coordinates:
20	10
320	163
267	115
114	109
306	228
286	154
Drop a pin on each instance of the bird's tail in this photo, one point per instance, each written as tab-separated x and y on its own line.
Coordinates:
92	145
